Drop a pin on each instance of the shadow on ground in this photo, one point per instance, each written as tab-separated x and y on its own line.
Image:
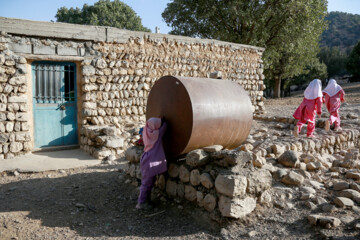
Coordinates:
95	204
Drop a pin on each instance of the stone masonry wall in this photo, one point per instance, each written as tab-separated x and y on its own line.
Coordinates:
119	68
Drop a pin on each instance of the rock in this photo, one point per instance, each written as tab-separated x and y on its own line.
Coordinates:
199	198
317	185
311	205
353	175
195	177
347	219
180	190
197	158
328	208
173	170
258	161
292	178
265	198
277	149
288	158
236	208
114	142
301	165
231	185
343	202
350	193
190	193
246	147
324	221
306	158
340	186
171	188
161	182
259	181
308	190
279	174
213	148
306	196
355	186
252	234
16	147
184	174
320	200
209	202
313	166
206	180
226	158
133	154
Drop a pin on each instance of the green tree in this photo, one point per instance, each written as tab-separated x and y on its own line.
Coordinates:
288	29
353	61
103	13
314	69
334	59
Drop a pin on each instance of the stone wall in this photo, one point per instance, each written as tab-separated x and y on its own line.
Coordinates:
14	109
222	182
119	67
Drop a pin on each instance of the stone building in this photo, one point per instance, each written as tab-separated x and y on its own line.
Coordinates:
65	84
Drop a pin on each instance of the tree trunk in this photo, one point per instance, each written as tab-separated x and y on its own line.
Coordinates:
277	87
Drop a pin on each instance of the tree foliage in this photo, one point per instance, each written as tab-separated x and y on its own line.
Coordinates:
334	59
288	29
353	62
103	13
343	31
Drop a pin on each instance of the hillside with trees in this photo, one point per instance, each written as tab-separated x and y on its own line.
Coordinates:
343	31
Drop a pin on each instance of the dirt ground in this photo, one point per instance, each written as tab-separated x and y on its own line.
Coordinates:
99	203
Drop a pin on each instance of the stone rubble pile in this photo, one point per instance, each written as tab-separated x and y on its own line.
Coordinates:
230	183
14	127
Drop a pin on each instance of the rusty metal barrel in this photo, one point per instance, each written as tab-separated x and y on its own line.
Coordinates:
200	112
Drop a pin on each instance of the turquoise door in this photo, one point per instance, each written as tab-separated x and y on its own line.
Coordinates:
54	104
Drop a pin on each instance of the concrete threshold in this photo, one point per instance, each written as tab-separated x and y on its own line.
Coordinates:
46	161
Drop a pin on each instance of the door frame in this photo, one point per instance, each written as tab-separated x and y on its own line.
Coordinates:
33	85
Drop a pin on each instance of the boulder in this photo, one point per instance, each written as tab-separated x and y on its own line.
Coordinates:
289	158
197	158
236	208
292	178
231	185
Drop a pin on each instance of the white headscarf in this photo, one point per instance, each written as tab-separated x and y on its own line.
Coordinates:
332	88
313	91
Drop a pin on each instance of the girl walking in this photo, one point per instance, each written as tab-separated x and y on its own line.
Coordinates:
333	96
308	108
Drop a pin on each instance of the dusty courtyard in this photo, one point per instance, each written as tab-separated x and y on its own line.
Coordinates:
98	203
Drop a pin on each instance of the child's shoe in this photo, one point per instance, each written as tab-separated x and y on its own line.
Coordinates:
327	125
144	206
296	131
311	136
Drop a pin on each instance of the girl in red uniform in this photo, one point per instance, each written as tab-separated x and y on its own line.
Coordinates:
307	110
333	96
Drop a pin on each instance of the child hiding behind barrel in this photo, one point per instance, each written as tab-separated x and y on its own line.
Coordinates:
153	161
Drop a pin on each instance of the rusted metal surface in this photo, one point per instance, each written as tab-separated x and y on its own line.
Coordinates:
200	112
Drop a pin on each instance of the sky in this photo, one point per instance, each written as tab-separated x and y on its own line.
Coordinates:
148	10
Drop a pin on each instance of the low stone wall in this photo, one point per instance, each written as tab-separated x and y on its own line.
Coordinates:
222	182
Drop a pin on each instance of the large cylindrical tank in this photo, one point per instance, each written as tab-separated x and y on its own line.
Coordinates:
200	112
